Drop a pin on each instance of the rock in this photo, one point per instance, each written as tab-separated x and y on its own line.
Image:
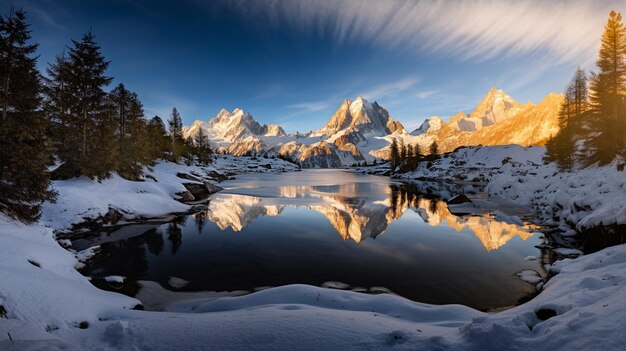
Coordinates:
112	216
217	176
212	188
201	191
187	176
185	196
459	199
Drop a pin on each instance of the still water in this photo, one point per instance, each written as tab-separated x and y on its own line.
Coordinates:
331	228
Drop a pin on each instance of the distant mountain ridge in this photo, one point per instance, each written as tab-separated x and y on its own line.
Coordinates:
360	131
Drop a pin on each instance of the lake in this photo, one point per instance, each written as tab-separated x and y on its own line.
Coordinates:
330	228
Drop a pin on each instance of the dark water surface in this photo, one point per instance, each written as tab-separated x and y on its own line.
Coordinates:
369	233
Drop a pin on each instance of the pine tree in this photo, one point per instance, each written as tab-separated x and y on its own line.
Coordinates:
434	148
176	134
75	93
409	152
24	149
132	146
417	151
579	95
563	147
394	153
403	153
202	148
608	86
158	140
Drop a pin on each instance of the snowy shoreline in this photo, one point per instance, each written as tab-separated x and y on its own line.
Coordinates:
50	305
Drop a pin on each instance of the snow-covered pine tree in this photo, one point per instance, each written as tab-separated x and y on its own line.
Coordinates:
25	152
607	99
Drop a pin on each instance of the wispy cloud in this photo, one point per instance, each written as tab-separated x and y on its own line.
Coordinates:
561	30
390	88
312	106
426	94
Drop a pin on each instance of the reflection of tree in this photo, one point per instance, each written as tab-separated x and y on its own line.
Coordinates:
200	220
175	236
408	195
154	241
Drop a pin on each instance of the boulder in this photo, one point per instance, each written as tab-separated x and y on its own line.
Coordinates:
200	191
459	199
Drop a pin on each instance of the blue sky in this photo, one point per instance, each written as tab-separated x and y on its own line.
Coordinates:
293	62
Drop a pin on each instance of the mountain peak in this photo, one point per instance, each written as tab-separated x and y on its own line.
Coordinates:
495	106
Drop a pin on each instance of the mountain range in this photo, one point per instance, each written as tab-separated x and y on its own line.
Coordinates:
360	131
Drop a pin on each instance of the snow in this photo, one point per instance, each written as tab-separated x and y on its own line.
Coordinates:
477	163
583	199
114	279
82	198
50	305
529	276
177	283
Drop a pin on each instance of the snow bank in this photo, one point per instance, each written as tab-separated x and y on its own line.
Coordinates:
583	199
476	164
39	285
81	199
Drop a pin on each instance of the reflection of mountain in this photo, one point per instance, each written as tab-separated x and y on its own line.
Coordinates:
359	217
490	232
237	211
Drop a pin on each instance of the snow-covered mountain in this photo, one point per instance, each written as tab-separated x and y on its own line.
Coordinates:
497	120
360	131
232	126
353	131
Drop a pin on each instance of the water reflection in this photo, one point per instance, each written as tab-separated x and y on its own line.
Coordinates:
318	226
359	211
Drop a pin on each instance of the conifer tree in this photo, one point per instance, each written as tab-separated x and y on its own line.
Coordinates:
434	148
24	149
132	145
394	153
158	140
409	152
202	148
608	86
562	148
176	134
75	88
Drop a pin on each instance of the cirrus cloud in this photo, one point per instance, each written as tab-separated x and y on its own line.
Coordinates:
564	31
